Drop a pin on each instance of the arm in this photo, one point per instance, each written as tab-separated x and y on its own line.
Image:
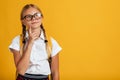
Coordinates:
22	62
55	67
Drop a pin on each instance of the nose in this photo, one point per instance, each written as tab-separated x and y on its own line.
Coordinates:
33	17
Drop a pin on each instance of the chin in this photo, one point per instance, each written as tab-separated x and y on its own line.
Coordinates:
35	26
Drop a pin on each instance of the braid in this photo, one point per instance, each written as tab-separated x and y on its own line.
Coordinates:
23	34
46	43
44	33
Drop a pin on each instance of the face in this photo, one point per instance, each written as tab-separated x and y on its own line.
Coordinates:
32	18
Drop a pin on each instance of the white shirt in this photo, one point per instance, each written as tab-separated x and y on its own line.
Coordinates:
38	58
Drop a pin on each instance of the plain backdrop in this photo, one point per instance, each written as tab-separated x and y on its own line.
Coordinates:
87	30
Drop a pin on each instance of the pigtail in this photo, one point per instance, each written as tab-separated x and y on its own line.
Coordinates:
47	42
48	49
22	39
23	34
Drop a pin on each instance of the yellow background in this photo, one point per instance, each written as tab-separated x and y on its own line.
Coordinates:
87	30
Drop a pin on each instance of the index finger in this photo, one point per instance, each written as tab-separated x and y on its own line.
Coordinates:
30	29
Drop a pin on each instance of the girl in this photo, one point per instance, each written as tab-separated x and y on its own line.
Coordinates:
31	60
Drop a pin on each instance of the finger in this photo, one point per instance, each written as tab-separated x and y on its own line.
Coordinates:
34	36
30	30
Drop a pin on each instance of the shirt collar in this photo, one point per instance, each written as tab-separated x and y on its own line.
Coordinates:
41	36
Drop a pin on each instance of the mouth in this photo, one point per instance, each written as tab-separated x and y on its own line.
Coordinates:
34	22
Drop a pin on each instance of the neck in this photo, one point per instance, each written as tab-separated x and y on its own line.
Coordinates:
38	30
35	29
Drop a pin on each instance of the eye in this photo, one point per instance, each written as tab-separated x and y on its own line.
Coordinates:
37	15
28	16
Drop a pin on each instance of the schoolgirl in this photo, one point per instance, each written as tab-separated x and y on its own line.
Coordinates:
31	58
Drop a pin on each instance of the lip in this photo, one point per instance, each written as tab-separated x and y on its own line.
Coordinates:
34	22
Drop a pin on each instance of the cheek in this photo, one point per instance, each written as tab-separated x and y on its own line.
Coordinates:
27	24
39	22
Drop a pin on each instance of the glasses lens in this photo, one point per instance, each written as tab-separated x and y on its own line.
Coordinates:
28	17
37	16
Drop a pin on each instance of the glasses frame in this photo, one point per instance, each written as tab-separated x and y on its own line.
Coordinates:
29	17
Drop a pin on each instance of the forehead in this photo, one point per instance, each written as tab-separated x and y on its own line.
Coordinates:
30	11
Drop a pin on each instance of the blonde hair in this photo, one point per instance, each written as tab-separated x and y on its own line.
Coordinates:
27	6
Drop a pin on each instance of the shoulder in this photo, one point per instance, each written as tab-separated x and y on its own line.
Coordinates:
16	38
56	48
15	43
53	40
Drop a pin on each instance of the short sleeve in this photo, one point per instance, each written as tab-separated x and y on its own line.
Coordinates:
15	43
56	48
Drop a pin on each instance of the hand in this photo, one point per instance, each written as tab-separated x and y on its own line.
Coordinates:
33	35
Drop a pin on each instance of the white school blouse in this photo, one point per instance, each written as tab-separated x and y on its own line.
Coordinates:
38	59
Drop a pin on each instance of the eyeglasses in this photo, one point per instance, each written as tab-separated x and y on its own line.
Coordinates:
30	17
